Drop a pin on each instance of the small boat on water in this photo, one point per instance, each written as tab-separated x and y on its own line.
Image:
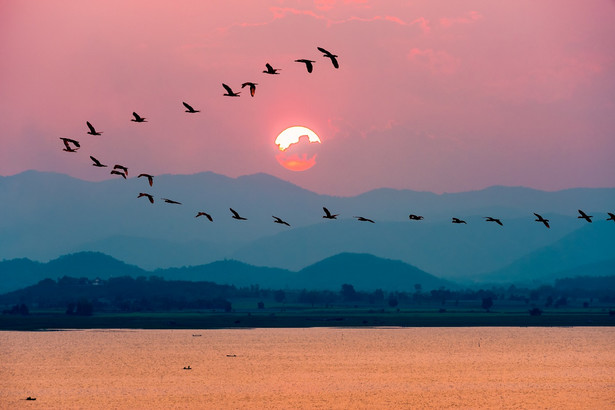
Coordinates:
187	368
30	398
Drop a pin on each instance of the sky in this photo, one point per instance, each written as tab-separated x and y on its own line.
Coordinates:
443	96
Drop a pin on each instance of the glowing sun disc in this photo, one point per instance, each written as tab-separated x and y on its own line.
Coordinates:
296	159
291	135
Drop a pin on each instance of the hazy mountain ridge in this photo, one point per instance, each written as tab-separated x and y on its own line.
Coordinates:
48	215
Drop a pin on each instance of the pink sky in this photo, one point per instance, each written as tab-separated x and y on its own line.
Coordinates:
440	96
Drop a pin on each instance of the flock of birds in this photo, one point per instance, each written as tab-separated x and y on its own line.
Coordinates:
71	145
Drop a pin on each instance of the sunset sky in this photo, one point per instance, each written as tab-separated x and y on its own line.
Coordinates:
440	96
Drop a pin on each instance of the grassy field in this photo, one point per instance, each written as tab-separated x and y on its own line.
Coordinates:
331	317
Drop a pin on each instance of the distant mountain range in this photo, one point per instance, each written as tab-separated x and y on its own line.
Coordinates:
46	215
364	272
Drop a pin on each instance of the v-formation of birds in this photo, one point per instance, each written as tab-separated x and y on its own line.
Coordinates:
71	145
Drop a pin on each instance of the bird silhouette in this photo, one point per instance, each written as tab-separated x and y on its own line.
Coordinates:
539	218
137	118
328	214
205	214
308	64
329	55
92	129
148	196
611	216
414	217
360	218
496	220
170	201
67	144
280	221
252	87
458	221
97	163
583	215
230	92
121	167
271	70
150	178
116	172
236	215
189	108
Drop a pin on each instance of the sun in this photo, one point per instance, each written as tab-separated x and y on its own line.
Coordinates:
296	145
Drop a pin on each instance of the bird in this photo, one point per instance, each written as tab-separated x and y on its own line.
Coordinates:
308	64
360	218
611	216
205	214
150	178
415	217
236	215
92	129
170	201
329	55
97	163
458	221
67	142
230	92
541	219
279	221
583	215
116	172
252	87
271	70
328	214
148	196
138	118
122	167
496	220
189	108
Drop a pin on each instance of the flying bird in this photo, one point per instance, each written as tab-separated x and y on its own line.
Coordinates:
458	221
308	64
170	201
67	142
360	218
252	87
328	214
97	163
415	217
92	129
116	172
280	221
271	70
137	118
583	215
541	219
205	214
189	108
123	168
329	55
611	216
496	220
236	215
148	196
150	178
230	92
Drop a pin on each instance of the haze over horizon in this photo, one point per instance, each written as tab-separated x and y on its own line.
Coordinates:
446	97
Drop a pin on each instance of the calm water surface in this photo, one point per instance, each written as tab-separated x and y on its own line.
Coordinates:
310	368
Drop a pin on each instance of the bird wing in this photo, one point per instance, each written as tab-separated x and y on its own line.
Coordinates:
209	217
97	162
326	211
323	50
611	214
583	214
269	68
227	88
188	106
334	61
234	212
92	130
136	116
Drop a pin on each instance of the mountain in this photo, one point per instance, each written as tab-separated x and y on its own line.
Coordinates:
47	215
590	246
19	273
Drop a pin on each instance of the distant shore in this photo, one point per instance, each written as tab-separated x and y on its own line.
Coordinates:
317	318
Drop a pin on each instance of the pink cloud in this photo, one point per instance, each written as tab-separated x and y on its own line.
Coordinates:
437	61
468	18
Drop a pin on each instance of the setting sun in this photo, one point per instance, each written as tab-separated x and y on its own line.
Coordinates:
296	148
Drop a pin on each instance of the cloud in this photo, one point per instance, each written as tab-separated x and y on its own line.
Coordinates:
437	61
468	18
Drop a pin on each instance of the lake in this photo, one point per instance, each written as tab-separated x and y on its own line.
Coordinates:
316	368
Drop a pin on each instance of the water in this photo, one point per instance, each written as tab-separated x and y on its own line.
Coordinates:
310	368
